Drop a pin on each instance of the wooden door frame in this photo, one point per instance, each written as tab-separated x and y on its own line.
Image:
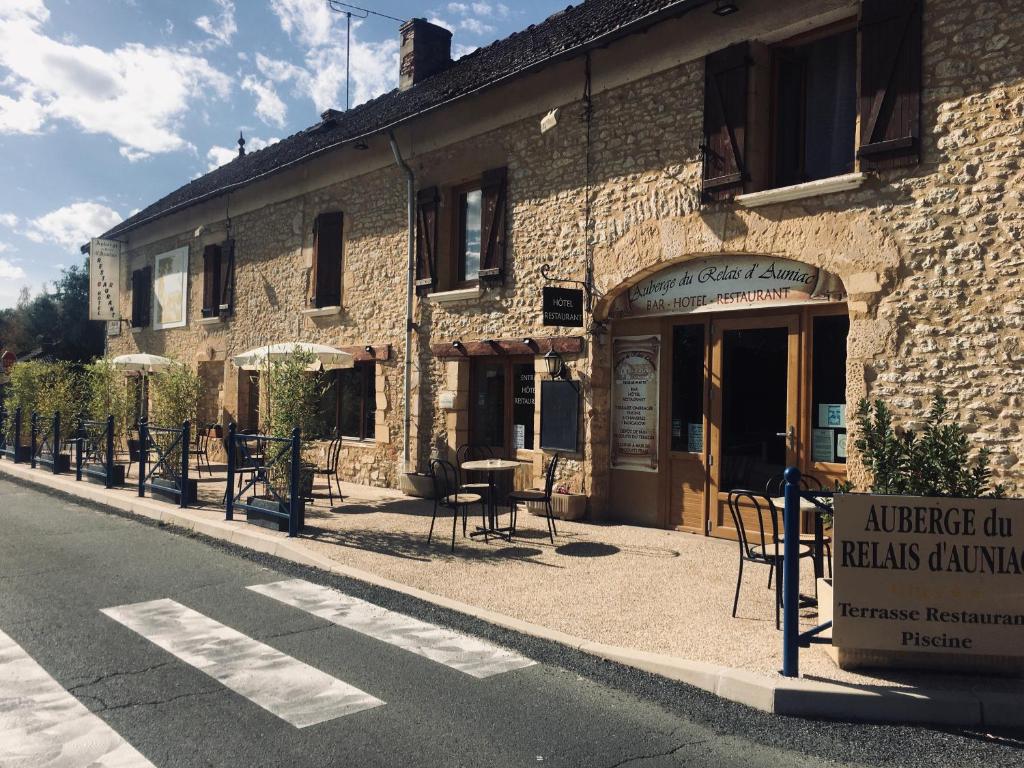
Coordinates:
791	320
506	362
827	472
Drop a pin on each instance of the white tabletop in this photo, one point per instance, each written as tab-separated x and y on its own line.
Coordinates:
806	505
489	465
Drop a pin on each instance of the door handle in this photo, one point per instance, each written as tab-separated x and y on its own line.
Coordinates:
790	437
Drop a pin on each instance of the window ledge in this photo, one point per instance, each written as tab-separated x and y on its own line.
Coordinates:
462	294
137	329
842	183
321	311
355	442
215	320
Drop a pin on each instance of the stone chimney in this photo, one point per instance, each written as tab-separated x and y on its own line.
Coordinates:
426	50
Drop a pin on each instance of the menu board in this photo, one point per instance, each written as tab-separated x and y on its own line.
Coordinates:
635	403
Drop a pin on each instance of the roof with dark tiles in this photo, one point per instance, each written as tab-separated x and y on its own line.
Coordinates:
562	35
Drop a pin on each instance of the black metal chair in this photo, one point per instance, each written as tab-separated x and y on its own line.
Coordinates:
776	486
134	454
245	463
200	448
472	453
767	548
538	497
448	493
330	469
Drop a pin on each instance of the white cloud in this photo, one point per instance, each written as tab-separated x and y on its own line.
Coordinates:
475	26
11	271
458	8
4	247
269	107
222	27
438	21
218	156
8	220
483	9
136	94
9	288
311	21
459	50
72	225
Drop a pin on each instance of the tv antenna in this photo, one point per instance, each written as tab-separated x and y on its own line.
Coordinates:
360	13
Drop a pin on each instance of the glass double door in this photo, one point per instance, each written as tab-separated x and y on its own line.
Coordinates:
735	414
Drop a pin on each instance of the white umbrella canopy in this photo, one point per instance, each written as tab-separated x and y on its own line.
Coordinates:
327	358
142	362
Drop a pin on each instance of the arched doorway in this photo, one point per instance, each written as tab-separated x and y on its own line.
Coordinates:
724	370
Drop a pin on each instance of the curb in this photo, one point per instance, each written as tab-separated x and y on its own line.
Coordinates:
792	697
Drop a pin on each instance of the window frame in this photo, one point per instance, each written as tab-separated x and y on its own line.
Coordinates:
508	365
457	261
368	392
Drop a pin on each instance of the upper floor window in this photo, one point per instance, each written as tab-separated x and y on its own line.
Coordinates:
460	233
218	279
142	293
815	106
325	281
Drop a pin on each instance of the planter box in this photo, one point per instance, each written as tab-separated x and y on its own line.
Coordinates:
272	521
564	506
24	453
416	484
119	470
171	495
63	462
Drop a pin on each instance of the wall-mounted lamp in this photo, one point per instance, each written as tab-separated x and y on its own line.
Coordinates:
368	349
528	342
555	365
725	8
362	145
457	345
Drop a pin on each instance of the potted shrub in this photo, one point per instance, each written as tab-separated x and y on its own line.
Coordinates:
175	398
106	395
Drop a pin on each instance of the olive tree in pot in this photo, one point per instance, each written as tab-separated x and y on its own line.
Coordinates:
175	399
292	395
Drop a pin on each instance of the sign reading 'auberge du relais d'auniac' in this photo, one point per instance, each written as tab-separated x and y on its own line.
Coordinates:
933	575
104	279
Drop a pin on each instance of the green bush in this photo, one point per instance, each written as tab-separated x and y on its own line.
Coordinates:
108	395
174	395
46	387
936	462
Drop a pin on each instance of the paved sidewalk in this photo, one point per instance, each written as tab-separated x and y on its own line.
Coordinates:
660	600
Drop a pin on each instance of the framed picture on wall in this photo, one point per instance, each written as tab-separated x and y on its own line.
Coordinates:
170	289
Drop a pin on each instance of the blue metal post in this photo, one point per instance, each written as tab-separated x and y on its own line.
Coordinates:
17	433
55	443
35	420
143	455
791	576
186	445
229	491
79	438
110	452
3	427
294	493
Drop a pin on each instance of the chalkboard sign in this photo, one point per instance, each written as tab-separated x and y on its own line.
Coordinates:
563	306
559	416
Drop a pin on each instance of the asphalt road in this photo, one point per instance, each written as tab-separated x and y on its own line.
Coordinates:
62	564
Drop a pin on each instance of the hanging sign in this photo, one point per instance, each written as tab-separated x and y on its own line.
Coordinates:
929	575
635	402
728	282
104	280
563	306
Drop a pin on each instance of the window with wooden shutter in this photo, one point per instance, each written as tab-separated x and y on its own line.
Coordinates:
227	279
142	292
327	258
725	122
211	280
494	192
890	83
426	238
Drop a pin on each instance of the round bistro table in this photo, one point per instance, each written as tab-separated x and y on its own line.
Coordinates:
490	466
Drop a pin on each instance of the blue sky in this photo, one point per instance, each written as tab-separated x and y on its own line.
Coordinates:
107	105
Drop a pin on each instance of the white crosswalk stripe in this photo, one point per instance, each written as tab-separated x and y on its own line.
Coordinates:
453	649
41	724
293	691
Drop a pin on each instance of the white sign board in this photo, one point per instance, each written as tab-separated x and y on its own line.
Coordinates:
170	289
635	403
104	279
932	575
728	282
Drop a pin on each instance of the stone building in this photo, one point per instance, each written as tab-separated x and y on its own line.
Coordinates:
776	211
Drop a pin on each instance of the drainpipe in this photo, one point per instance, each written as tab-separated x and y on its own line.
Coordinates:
409	288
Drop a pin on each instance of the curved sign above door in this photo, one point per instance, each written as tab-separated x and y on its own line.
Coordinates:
727	283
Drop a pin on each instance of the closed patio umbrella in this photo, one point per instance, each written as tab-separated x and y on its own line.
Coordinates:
142	362
326	358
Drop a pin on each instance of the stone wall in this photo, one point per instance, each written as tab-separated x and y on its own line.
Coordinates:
931	256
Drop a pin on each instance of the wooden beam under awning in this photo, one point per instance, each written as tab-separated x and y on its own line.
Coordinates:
541	345
379	352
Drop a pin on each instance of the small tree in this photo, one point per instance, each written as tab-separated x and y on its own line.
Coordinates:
935	463
292	396
108	395
175	395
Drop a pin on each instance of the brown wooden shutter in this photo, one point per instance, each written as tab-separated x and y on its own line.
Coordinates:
725	122
227	279
142	293
426	238
211	280
326	278
494	196
890	83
